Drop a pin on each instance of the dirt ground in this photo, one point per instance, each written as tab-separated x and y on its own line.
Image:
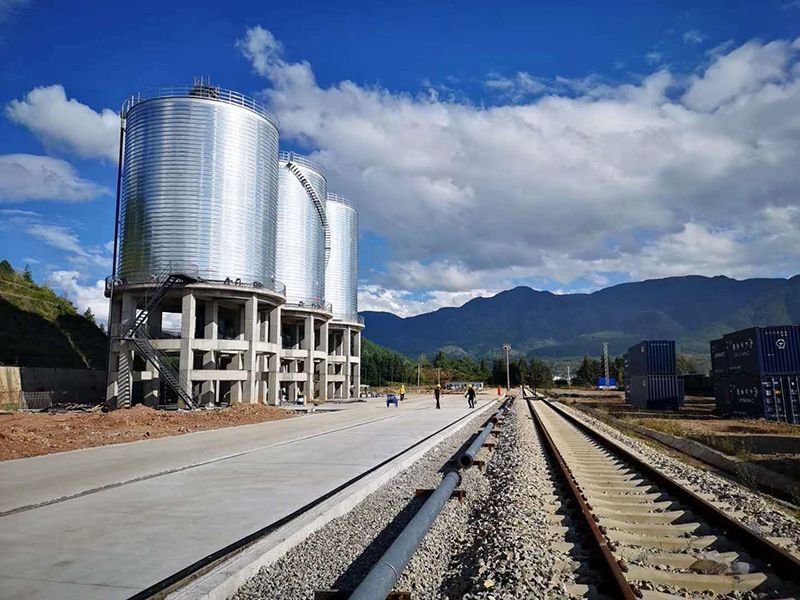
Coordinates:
711	427
33	434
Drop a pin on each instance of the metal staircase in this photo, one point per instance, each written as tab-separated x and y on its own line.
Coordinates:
319	203
138	335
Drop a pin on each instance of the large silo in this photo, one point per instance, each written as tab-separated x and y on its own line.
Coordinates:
303	234
199	185
341	276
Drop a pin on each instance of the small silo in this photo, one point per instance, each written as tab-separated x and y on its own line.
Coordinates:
199	185
303	234
341	277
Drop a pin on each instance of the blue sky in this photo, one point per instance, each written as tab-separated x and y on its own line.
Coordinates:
562	145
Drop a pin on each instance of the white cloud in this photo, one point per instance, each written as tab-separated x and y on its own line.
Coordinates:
654	57
520	86
63	238
83	296
603	179
694	37
66	123
26	177
404	303
745	70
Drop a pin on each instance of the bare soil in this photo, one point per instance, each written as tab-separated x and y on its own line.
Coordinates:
694	427
34	434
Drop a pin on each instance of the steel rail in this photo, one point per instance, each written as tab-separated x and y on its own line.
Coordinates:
222	553
616	579
782	562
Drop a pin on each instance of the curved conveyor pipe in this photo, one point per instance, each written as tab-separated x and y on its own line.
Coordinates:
384	575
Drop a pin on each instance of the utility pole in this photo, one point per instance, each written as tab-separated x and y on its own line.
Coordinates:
569	377
507	348
439	375
417	373
605	361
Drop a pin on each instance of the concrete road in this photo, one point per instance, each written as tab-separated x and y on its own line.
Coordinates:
144	510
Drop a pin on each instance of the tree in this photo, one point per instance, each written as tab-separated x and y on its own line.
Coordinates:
540	375
6	268
26	274
686	364
89	315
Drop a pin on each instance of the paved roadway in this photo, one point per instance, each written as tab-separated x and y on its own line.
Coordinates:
134	513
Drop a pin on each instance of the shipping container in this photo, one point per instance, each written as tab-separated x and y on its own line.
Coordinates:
719	358
764	351
772	397
663	392
652	357
697	385
722	400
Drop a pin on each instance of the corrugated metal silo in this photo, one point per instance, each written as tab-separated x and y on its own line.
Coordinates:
303	235
199	185
341	277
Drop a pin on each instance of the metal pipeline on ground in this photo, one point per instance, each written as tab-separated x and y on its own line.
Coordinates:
468	457
384	575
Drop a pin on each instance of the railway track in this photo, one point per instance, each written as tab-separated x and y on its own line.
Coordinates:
650	536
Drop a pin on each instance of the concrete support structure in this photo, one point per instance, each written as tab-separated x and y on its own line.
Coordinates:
235	344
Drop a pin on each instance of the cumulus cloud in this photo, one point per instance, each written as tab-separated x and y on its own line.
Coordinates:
405	303
83	295
610	179
63	122
752	68
58	236
25	177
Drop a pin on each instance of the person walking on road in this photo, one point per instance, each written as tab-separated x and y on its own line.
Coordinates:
402	392
437	392
470	395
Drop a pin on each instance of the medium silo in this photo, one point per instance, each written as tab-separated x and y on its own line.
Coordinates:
303	234
341	276
199	185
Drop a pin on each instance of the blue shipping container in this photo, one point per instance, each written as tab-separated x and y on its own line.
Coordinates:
652	357
654	391
772	397
771	350
719	358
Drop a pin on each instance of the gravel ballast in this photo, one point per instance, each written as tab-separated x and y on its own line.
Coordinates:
340	554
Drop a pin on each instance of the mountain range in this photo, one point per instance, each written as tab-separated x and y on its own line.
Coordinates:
691	309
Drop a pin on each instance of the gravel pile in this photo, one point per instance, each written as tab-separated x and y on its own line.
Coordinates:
753	509
340	554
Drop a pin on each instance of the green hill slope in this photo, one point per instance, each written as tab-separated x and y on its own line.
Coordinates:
39	328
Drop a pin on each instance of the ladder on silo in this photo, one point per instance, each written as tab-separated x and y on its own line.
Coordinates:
169	278
319	204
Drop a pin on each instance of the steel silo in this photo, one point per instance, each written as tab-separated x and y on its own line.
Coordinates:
303	235
341	277
199	185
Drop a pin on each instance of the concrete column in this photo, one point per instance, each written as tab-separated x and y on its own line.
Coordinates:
323	366
211	327
236	364
274	366
154	323
347	364
251	335
356	377
124	387
309	345
151	387
186	361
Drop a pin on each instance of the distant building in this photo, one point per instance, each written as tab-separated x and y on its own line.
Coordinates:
462	385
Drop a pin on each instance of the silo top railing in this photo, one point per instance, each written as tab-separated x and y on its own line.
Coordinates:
299	159
199	91
340	199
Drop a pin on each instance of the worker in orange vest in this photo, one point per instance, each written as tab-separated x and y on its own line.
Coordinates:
499	390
